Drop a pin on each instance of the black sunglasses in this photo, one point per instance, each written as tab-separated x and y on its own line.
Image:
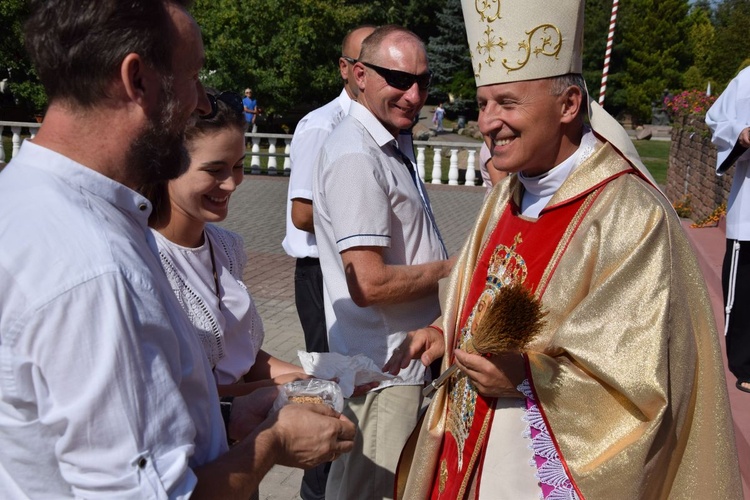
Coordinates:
231	99
402	80
348	59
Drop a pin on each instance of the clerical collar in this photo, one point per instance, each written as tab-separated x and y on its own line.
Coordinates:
539	190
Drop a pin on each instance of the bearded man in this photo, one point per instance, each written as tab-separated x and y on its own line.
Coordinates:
105	390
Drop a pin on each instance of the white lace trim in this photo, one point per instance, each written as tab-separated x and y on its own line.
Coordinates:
551	473
206	326
198	311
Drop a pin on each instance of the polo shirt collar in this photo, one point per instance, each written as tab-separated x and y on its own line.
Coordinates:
376	129
344	101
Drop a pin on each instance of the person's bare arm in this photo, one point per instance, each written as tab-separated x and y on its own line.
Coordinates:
372	281
297	436
302	215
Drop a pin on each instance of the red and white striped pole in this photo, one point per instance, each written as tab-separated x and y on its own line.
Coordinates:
608	53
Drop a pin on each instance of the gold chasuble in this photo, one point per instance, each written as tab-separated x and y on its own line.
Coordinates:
626	371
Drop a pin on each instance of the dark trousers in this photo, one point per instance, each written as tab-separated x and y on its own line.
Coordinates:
738	333
308	295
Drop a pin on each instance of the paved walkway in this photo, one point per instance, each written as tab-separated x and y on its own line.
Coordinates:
257	213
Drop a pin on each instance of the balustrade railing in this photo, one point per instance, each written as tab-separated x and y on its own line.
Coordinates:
16	130
269	154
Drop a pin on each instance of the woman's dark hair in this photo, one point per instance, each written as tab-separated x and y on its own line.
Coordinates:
77	46
228	114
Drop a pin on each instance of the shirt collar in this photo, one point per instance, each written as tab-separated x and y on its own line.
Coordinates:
344	101
549	182
376	129
84	179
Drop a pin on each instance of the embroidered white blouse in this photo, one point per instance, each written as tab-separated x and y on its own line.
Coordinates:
231	333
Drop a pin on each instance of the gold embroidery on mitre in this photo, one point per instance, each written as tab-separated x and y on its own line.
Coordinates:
482	6
506	267
487	45
443	476
543	43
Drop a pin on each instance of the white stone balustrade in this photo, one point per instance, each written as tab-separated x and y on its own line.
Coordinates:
16	130
287	160
255	157
437	165
272	156
420	162
453	168
461	154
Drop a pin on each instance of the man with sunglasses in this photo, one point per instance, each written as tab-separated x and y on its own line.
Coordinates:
380	251
105	389
299	241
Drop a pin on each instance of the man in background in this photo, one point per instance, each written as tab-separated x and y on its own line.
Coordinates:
251	111
309	136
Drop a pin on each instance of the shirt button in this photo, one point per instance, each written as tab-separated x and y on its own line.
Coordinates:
142	463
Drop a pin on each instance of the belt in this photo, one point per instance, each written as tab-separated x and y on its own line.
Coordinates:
308	261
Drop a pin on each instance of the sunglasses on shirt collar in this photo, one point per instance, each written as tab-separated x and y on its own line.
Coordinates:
232	100
402	80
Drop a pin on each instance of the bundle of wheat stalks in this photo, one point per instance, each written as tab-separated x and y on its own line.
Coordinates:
511	322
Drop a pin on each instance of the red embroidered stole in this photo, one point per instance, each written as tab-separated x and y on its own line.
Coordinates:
518	250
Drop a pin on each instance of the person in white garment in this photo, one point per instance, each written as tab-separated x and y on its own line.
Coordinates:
105	390
204	262
299	241
380	251
729	121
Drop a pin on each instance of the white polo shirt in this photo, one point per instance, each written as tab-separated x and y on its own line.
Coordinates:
309	136
364	195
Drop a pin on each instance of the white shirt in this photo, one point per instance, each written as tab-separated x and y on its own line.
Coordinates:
309	136
104	389
231	334
364	195
726	118
538	190
308	139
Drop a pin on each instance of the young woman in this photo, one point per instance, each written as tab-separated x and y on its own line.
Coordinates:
204	262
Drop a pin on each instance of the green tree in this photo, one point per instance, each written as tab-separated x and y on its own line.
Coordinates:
730	42
654	52
700	39
26	95
287	51
450	61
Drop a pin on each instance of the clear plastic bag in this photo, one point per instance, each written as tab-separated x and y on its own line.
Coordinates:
312	390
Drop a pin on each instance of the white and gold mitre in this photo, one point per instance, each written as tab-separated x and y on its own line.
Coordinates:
516	40
519	40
